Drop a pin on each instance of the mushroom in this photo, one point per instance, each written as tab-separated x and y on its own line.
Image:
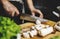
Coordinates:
45	31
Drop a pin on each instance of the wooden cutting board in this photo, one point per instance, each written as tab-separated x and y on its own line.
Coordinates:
47	37
38	37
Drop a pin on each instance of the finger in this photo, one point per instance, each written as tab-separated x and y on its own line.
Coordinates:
13	13
41	15
38	11
16	12
33	14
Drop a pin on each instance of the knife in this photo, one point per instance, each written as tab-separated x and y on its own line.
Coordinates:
31	18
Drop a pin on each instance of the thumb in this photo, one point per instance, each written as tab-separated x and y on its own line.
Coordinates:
41	16
39	12
17	12
33	14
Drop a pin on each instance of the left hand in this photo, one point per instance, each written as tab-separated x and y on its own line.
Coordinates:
36	11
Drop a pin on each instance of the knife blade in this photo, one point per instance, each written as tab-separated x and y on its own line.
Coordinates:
31	18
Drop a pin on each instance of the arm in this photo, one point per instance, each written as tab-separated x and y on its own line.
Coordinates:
3	1
10	8
30	4
33	9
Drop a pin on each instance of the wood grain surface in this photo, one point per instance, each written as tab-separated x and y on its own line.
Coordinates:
38	37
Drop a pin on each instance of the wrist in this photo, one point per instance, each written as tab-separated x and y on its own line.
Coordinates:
32	9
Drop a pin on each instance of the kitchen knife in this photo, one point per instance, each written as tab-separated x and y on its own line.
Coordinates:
31	18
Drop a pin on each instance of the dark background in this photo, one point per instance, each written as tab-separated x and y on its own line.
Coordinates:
46	6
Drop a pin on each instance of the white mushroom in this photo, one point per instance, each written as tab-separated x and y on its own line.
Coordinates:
45	31
18	36
32	27
38	27
26	35
33	33
38	22
57	26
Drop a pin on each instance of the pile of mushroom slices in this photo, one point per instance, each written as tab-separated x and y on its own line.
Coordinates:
38	29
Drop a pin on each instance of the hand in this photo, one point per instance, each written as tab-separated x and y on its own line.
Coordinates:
36	11
10	8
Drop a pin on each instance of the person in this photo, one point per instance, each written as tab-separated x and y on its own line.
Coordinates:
46	7
12	10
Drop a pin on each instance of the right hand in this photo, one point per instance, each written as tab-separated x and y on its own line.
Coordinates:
10	8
